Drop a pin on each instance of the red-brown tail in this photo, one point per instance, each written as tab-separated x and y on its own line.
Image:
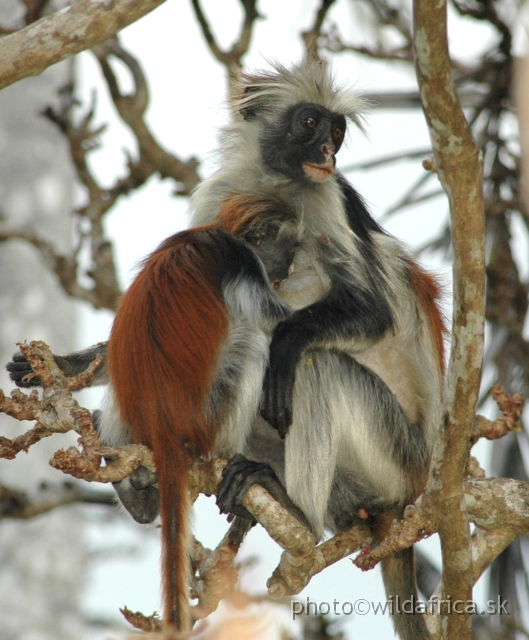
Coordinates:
174	507
162	352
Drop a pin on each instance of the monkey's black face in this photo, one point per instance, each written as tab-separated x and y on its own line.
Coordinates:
304	141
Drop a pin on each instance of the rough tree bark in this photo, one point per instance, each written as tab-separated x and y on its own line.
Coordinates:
457	161
49	40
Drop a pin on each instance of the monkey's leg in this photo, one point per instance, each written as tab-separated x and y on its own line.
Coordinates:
349	427
351	450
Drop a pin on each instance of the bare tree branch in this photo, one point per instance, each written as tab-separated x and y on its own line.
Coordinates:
216	575
312	35
131	109
294	573
64	267
333	42
389	159
511	407
232	58
83	137
495	500
17	505
384	16
490	503
73	29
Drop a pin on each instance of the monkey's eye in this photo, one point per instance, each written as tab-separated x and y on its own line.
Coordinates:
337	133
310	122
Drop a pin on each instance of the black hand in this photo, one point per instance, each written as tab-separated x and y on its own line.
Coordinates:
285	351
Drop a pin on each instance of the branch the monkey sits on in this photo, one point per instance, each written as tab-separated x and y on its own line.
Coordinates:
348	366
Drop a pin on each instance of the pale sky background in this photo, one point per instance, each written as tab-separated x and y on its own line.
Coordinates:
186	111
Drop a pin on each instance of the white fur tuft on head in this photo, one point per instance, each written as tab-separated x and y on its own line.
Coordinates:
270	92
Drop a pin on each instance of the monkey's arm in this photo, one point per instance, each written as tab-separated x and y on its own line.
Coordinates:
72	364
349	316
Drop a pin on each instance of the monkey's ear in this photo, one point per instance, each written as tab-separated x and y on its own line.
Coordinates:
250	112
247	113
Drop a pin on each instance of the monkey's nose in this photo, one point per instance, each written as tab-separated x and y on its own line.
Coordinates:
328	150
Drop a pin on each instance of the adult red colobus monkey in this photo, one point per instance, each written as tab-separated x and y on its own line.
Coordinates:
354	377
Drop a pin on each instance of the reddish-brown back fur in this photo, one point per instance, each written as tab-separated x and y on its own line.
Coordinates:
238	211
168	330
162	352
428	290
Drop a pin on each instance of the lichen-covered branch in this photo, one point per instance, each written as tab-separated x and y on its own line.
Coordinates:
56	411
30	50
458	165
295	572
489	503
511	407
216	574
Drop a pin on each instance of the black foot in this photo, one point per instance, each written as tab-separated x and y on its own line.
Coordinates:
239	475
138	495
18	369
